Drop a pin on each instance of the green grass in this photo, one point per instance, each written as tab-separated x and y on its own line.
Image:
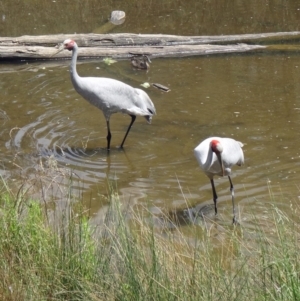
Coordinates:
65	258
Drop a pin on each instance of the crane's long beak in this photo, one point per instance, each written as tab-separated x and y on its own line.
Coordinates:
60	49
221	163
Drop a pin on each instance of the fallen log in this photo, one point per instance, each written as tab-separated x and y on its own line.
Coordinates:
128	39
43	53
119	46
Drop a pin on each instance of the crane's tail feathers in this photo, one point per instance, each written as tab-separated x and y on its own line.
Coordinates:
141	112
148	118
240	143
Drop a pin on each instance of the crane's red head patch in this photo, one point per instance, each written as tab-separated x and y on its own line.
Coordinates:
216	146
69	44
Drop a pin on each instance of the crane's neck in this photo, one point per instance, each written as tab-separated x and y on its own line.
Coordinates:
73	72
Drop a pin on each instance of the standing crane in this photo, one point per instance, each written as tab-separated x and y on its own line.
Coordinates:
216	156
109	95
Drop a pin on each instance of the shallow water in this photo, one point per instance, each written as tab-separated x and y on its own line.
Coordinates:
52	139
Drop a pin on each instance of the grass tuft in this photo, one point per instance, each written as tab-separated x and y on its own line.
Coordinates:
133	259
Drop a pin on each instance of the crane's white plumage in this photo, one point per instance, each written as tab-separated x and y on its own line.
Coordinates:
216	156
110	95
232	154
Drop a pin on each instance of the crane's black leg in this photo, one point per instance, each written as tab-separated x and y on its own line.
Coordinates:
232	196
131	123
214	195
108	137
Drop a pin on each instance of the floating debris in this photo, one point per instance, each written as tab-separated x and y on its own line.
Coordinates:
117	17
109	61
145	85
161	87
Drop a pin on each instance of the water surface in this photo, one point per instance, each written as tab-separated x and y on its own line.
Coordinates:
52	139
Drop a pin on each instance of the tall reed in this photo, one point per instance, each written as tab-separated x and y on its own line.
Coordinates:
128	257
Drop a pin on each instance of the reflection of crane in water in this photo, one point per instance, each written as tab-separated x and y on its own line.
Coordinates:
216	156
109	95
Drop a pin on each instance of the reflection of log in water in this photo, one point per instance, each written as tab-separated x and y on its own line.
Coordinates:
120	46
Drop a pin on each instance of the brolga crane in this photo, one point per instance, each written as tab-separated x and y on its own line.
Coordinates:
109	95
216	156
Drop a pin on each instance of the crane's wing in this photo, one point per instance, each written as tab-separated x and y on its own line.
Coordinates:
233	153
112	96
142	105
